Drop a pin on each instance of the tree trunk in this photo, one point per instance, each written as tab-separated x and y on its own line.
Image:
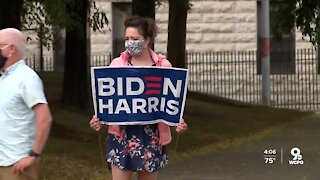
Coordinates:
75	87
176	48
144	8
318	57
10	12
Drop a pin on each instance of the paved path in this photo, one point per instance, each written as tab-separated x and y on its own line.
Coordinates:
246	162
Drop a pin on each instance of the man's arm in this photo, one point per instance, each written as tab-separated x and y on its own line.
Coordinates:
43	124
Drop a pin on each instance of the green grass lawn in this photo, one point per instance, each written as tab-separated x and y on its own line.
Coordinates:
73	150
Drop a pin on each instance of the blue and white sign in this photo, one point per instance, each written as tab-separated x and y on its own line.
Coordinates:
139	95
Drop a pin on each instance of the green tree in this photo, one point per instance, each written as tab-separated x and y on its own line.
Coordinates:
45	16
304	14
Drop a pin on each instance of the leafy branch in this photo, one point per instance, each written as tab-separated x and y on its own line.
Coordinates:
47	16
304	14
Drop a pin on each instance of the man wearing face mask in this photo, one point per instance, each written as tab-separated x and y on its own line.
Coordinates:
25	119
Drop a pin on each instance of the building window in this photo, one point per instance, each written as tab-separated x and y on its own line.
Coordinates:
282	51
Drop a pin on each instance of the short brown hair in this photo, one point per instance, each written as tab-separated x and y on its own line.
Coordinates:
146	26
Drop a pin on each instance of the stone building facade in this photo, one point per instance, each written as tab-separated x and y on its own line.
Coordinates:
212	25
221	25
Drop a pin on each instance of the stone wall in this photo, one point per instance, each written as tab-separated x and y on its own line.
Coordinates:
218	25
212	25
33	45
101	42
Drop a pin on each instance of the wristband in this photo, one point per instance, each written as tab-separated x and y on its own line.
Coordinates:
33	154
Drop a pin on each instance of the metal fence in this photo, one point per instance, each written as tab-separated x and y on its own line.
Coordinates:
48	63
35	63
235	75
101	60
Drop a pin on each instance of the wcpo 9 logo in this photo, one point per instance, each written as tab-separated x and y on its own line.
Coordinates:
139	95
297	156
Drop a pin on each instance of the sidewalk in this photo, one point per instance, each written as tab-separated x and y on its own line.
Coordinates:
246	162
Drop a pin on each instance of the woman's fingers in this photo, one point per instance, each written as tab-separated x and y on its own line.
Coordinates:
182	126
97	128
94	123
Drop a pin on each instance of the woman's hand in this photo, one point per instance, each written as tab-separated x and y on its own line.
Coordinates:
95	123
182	127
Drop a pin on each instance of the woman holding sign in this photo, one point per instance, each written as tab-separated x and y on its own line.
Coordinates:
138	148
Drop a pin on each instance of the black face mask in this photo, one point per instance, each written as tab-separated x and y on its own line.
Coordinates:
3	60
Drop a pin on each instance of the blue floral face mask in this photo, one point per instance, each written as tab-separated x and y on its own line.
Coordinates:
134	47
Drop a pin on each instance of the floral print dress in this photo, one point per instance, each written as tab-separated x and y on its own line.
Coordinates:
138	150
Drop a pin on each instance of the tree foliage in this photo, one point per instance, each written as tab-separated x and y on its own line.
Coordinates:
45	16
304	14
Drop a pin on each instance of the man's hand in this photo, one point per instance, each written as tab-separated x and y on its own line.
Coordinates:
23	164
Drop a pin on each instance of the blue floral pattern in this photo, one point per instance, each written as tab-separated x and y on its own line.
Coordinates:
138	150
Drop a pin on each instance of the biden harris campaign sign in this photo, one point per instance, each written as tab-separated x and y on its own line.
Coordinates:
139	95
